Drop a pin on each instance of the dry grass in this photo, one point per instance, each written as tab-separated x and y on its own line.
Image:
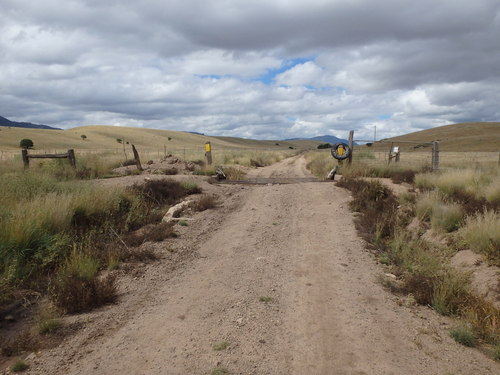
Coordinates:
77	286
205	202
320	162
446	216
482	234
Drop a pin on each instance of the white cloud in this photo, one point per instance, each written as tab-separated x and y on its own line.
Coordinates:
211	66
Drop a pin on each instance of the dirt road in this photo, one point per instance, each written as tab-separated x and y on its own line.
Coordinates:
279	283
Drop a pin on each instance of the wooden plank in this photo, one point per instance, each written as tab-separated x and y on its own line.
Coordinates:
48	156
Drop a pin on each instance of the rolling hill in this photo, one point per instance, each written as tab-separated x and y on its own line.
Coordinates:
470	136
103	137
6	122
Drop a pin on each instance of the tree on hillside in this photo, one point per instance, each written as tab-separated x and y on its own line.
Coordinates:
83	136
26	143
118	140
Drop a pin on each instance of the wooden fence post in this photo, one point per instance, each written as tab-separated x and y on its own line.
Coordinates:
71	158
435	156
26	160
136	157
208	153
351	145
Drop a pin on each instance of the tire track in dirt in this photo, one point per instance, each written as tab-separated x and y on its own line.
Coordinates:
324	312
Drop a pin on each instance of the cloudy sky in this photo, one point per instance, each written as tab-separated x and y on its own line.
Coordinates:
251	68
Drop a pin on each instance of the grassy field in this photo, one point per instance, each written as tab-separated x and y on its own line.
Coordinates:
466	137
100	138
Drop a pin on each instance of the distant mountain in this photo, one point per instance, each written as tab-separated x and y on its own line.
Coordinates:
322	138
14	124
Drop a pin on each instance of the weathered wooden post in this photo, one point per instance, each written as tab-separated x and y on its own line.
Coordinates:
26	160
208	153
137	160
71	158
435	156
351	145
389	154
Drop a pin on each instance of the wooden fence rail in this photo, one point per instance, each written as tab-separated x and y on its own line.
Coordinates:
70	155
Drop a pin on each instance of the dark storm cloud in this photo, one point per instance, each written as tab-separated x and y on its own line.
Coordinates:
197	65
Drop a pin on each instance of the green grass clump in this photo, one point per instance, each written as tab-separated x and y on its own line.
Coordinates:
19	366
446	217
191	188
218	371
430	206
481	233
464	335
48	325
223	345
495	352
265	299
77	286
451	291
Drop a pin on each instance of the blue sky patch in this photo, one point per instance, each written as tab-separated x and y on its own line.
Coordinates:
385	116
269	77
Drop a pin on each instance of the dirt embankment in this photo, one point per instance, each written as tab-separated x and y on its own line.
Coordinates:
274	281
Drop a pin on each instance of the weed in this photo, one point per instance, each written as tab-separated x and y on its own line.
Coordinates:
265	299
495	352
159	192
49	326
19	366
464	335
205	202
204	172
48	321
170	171
191	188
218	371
234	173
183	223
446	216
481	234
77	286
377	204
223	345
450	292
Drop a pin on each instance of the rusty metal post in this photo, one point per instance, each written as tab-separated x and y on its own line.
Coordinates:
351	145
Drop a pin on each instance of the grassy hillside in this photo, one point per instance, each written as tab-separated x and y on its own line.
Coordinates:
105	137
471	136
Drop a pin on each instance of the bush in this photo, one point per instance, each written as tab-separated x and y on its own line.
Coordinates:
19	366
464	335
26	143
377	205
78	288
446	216
204	203
159	192
324	145
481	234
450	292
191	188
